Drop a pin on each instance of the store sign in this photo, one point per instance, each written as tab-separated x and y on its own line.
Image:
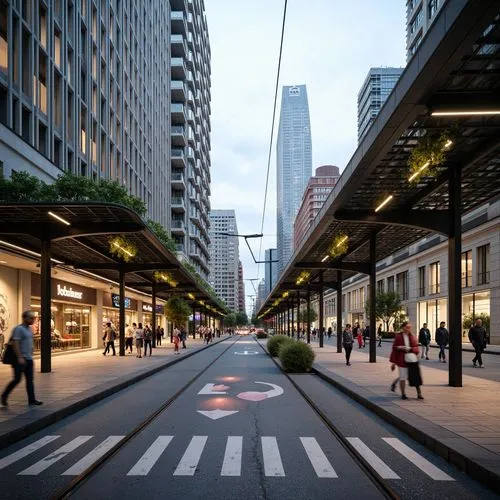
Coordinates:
64	291
148	308
115	298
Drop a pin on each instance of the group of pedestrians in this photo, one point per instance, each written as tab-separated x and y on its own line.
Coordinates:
143	337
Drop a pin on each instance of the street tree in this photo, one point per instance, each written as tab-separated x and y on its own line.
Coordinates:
387	308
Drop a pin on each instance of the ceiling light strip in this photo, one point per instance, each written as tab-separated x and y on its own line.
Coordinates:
59	218
384	203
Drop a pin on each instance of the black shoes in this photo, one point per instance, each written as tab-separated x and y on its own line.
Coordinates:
420	396
3	402
404	396
393	387
35	403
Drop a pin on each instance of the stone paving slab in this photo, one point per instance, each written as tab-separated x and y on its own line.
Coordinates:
76	381
460	424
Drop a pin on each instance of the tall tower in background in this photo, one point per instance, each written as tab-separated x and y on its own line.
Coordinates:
294	165
375	90
271	269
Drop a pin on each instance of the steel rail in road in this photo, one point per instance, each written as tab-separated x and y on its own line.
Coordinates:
87	473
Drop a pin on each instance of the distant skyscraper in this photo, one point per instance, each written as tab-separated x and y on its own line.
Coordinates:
271	269
261	296
294	165
420	14
224	257
375	90
241	288
317	191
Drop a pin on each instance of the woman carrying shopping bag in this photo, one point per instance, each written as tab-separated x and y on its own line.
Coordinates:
404	355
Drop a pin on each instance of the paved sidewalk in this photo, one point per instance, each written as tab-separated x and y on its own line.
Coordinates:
78	380
460	424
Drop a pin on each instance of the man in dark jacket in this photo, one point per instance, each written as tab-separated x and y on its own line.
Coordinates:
424	338
477	337
442	339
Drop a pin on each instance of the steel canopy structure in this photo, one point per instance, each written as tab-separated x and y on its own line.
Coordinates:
77	235
375	207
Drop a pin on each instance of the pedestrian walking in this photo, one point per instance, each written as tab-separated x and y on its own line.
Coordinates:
158	335
404	355
358	333
366	334
379	335
183	337
110	336
21	341
139	334
424	339
329	332
442	338
129	338
347	342
148	340
477	337
176	340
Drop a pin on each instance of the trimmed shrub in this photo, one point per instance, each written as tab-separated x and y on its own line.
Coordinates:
261	335
274	344
296	357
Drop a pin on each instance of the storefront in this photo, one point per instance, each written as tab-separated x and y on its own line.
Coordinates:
111	310
71	310
147	314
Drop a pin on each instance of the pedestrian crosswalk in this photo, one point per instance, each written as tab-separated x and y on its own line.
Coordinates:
231	461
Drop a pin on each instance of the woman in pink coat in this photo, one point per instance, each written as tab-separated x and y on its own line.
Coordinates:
359	337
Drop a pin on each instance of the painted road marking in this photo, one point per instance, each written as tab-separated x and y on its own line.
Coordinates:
232	457
54	457
94	455
245	353
210	389
189	461
216	414
27	450
382	469
423	464
272	459
318	459
153	453
259	396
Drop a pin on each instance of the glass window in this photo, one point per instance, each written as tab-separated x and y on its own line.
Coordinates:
402	285
467	269
43	28
483	264
390	284
4	44
435	278
57	49
380	286
421	281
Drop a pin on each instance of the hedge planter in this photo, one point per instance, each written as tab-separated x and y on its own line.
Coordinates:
275	343
296	357
261	335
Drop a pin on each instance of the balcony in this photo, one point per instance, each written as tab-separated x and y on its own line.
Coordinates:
178	181
177	134
178	91
178	23
177	158
178	46
178	227
178	204
190	155
178	68
180	247
177	112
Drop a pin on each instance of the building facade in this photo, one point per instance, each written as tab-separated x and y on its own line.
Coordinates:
190	132
317	191
294	165
419	275
376	88
241	289
224	258
420	14
271	269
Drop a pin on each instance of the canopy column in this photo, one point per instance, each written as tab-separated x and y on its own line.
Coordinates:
339	310
45	309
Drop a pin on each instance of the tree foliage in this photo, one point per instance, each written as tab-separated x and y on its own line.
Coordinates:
313	316
387	307
241	318
177	311
230	320
469	319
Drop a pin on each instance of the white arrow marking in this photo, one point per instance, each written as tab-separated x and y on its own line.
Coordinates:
216	414
245	353
208	389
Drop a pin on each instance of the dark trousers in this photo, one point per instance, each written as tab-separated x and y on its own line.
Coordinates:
183	343
18	369
146	344
348	350
442	354
479	351
110	343
129	341
158	340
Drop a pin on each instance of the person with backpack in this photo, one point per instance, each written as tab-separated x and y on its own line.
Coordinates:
424	339
148	340
442	339
347	342
109	337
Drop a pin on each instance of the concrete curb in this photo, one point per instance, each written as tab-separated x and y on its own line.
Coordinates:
477	462
76	403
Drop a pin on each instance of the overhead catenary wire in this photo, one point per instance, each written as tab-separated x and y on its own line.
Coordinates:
272	131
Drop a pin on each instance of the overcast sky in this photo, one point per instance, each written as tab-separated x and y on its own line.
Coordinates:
329	45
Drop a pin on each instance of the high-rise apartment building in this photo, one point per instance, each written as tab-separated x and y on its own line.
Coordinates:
294	165
84	88
271	269
224	258
261	297
420	15
375	89
315	195
241	289
190	134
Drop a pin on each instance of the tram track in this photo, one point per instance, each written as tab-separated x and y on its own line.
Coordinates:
80	479
383	485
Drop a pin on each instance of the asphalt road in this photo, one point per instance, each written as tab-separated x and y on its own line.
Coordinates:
240	431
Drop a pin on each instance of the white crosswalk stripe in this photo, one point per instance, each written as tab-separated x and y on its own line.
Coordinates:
153	453
318	459
54	457
273	466
232	457
375	462
189	461
27	450
94	455
423	464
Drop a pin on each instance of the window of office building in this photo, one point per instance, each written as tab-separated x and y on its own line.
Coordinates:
390	284
467	269
421	281
483	264
402	285
435	278
4	44
380	286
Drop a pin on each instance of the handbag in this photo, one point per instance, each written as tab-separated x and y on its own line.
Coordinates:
9	356
410	357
